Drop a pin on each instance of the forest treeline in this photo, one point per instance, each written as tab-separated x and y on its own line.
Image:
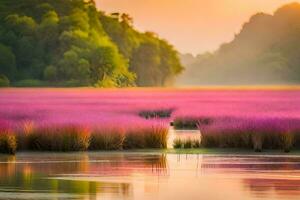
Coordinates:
265	51
71	43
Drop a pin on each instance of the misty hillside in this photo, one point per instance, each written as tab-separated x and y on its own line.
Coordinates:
266	51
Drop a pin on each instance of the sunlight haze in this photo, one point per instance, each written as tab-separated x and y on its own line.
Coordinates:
200	26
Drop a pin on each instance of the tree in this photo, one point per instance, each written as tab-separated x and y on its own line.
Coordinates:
50	73
105	63
7	62
71	41
23	25
126	19
145	63
4	82
170	64
265	51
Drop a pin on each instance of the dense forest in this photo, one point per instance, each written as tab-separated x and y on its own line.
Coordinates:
71	43
266	51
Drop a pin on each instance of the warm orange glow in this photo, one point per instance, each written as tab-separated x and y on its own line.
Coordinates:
191	25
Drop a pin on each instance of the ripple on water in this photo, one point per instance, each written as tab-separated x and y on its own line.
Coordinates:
144	176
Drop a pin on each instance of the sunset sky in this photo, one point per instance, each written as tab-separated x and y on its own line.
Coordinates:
192	26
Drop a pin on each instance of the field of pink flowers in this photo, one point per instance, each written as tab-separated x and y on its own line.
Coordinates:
248	117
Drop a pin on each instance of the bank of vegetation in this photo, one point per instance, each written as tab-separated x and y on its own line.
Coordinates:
70	43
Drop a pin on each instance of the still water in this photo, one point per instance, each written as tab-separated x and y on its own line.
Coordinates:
143	176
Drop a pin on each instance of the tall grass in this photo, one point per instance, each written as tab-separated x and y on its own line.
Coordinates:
186	143
58	138
254	133
8	143
68	137
107	139
154	136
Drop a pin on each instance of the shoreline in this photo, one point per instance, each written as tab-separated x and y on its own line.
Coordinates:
200	151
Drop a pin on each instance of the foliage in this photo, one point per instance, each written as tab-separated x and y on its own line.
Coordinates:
154	137
190	123
62	41
186	143
155	114
7	62
4	82
30	83
107	139
66	137
8	143
58	138
257	133
153	60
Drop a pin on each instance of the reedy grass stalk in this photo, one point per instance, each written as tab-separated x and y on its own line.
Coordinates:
154	137
257	138
59	138
188	143
64	138
8	143
107	139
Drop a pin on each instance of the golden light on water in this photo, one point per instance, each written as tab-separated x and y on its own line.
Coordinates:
151	176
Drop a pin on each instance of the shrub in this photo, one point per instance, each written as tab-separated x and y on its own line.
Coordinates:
258	134
296	138
287	141
232	137
257	141
187	143
160	113
177	143
30	83
23	134
78	138
50	73
69	83
146	137
196	144
8	144
209	140
56	138
107	139
190	123
4	82
156	137
134	140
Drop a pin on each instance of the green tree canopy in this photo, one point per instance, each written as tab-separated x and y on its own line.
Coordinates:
62	41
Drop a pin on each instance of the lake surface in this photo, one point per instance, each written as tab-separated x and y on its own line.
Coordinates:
88	176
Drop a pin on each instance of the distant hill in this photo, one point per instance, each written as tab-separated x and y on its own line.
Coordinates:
265	51
71	43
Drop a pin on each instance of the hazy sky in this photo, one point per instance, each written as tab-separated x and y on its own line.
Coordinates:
192	26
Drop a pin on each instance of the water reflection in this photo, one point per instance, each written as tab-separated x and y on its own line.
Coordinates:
88	176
